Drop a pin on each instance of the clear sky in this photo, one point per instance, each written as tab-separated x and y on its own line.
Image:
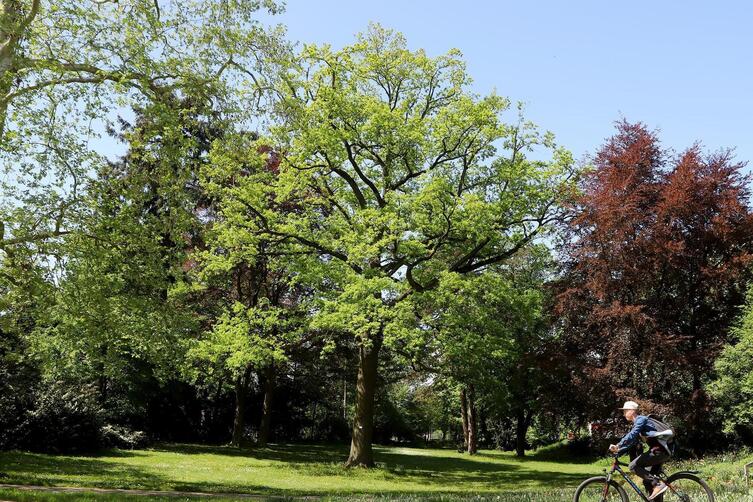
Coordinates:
685	68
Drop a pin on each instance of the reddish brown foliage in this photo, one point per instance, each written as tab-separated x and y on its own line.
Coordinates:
656	266
273	160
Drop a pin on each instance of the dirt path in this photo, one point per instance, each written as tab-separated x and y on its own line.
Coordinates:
156	493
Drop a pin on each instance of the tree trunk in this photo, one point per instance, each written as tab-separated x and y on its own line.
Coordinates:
464	416
314	422
472	422
483	431
266	417
345	399
6	84
361	454
102	378
12	31
241	392
523	422
102	386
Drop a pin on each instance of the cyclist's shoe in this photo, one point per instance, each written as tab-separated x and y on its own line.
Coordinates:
658	490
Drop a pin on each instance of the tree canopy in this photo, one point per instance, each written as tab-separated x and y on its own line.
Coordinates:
391	174
210	234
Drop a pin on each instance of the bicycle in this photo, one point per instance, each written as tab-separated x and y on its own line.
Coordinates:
684	486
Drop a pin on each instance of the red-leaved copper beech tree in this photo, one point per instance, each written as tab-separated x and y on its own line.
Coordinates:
657	259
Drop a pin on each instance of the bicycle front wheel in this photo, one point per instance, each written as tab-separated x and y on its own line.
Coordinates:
687	487
597	490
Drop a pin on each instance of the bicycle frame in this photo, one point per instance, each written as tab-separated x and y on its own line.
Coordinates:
617	467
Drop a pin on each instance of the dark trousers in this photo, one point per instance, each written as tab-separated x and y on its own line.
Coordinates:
647	465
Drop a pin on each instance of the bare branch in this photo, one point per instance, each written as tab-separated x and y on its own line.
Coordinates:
412	281
470	267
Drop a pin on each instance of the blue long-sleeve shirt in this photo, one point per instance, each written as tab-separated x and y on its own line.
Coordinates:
641	427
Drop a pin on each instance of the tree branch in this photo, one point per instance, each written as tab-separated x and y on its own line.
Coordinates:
16	33
98	76
361	175
349	179
29	17
315	245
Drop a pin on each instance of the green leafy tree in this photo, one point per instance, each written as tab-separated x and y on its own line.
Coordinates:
488	332
533	387
394	174
52	53
247	339
66	66
114	321
25	296
732	387
263	308
111	237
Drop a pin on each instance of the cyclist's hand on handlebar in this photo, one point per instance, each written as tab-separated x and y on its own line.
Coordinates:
613	448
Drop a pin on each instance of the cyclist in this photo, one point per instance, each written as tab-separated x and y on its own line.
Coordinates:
645	428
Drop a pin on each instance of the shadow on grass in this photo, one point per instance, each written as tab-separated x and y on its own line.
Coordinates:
485	471
299	453
412	471
558	454
50	470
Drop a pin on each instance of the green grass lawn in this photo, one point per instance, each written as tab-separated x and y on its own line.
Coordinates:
294	470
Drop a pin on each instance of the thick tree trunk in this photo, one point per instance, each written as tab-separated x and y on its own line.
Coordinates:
464	416
472	422
15	19
10	19
266	417
6	84
239	422
363	426
521	429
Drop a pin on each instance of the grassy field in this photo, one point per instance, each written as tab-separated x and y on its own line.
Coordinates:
403	474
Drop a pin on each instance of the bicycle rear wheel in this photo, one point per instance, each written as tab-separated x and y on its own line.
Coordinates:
687	487
596	490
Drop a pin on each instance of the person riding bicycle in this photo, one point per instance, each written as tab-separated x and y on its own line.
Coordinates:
645	428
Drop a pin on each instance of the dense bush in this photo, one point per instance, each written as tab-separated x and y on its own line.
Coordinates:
500	434
64	418
17	381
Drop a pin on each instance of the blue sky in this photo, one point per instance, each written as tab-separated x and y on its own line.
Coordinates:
682	67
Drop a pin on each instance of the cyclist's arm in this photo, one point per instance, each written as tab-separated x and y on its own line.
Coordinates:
632	437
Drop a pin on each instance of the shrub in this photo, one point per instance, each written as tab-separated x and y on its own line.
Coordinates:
64	418
115	436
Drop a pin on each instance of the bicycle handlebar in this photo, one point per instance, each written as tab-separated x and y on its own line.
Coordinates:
615	457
